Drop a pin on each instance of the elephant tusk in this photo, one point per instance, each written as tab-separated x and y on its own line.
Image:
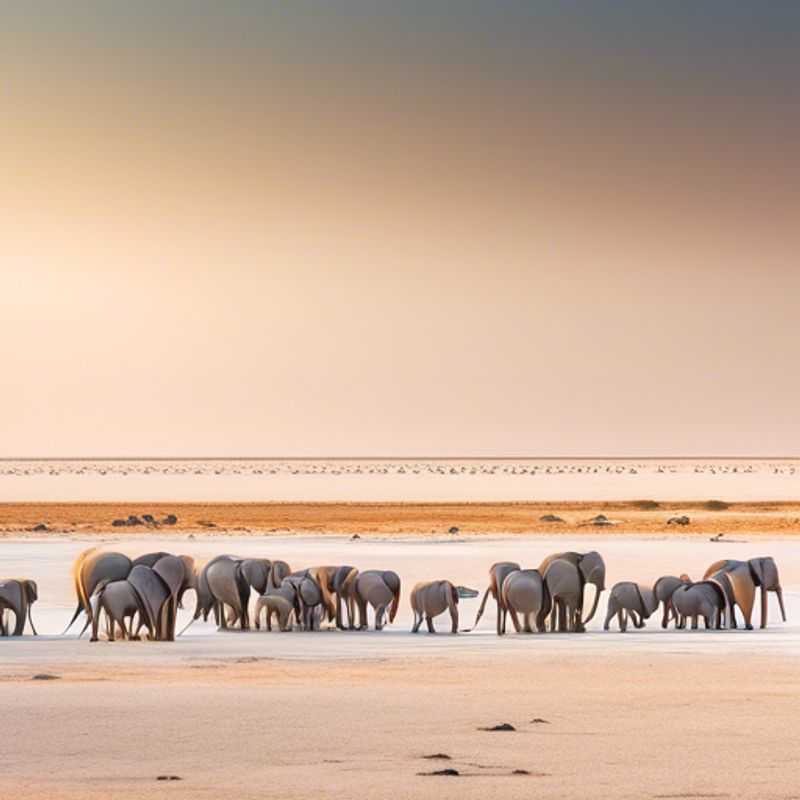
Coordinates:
188	625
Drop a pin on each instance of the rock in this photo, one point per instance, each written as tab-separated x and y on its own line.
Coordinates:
601	519
169	778
453	530
539	721
40	528
354	536
503	726
716	505
205	524
133	520
550	518
170	519
45	676
119	523
683	520
439	756
520	772
149	519
447	771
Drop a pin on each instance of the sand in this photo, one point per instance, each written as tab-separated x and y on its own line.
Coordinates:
734	520
673	714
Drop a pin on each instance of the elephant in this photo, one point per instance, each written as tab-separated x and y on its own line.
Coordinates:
563	583
663	589
628	598
257	571
149	559
591	569
524	592
17	595
705	599
206	601
431	598
338	581
119	599
157	596
278	601
497	575
308	597
90	568
228	586
741	580
381	590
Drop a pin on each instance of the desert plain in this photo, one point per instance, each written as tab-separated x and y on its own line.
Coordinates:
644	714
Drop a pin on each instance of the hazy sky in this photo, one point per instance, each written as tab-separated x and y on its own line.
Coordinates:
405	228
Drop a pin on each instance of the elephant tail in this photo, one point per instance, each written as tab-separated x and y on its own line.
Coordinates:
74	617
392	580
481	607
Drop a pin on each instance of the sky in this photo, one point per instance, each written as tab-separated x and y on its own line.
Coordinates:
399	228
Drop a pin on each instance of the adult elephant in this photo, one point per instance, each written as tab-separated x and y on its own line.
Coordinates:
563	586
742	578
497	574
336	584
524	592
90	568
591	570
17	595
381	590
228	586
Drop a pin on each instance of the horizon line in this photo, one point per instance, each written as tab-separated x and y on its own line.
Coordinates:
411	458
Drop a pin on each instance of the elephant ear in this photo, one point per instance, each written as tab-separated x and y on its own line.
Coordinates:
742	588
171	570
31	591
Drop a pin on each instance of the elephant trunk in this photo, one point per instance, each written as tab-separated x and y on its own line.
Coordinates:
30	619
594	606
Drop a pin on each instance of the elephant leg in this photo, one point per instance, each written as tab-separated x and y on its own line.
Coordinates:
763	606
379	612
429	623
694	622
512	612
622	618
363	619
526	623
610	612
665	615
417	622
454	620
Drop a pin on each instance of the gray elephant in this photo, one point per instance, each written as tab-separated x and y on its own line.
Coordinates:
308	598
431	598
740	580
17	595
564	584
705	599
279	602
381	590
497	575
524	592
630	599
664	588
591	570
228	586
119	600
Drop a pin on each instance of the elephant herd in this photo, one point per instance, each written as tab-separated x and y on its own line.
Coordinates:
145	593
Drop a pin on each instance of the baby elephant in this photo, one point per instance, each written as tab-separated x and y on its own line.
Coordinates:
704	599
630	598
430	599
